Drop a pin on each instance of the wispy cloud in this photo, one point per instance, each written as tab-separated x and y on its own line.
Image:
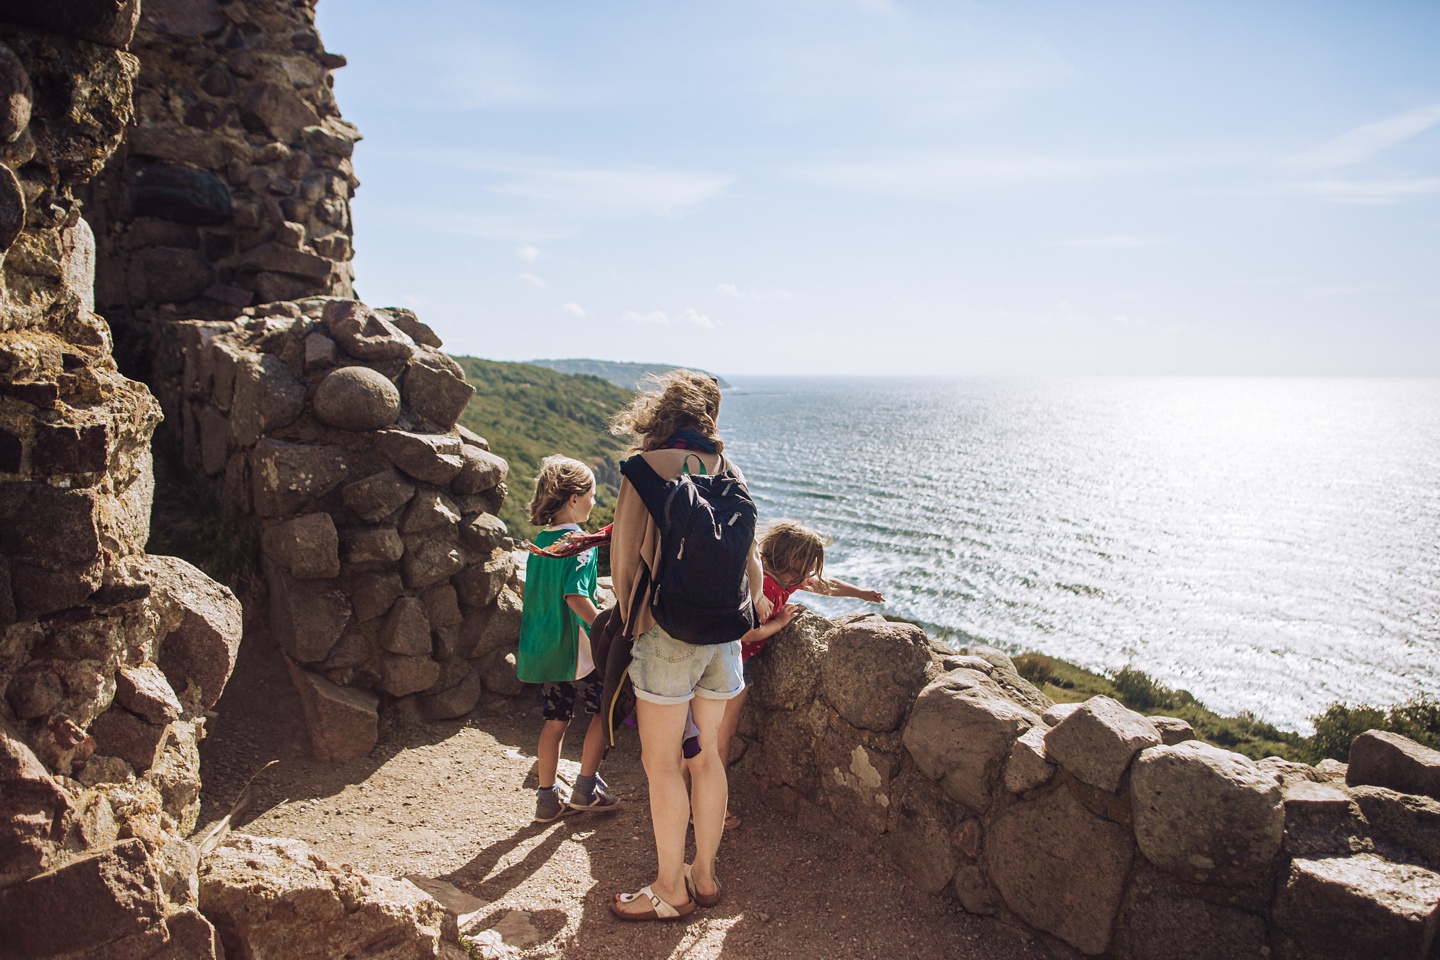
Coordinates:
575	310
1366	141
1108	241
938	175
656	317
699	319
531	279
1367	191
660	318
529	253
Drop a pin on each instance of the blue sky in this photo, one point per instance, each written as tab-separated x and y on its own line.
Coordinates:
866	186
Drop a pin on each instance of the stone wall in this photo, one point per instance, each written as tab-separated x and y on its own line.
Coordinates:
1120	835
109	658
233	184
332	428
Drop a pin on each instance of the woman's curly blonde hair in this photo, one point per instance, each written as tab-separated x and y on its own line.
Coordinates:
559	479
671	402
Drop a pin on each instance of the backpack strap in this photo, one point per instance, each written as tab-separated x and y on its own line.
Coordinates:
647	483
685	464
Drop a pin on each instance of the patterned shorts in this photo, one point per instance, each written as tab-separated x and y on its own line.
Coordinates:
557	698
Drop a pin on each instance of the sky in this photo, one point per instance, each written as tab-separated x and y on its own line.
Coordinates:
878	187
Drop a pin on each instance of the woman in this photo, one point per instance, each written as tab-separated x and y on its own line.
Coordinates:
674	427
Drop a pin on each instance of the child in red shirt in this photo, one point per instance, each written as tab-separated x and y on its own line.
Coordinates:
793	557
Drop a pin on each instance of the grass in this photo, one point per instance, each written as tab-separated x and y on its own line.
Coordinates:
528	413
1335	729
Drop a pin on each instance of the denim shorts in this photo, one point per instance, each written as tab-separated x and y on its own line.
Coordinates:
665	670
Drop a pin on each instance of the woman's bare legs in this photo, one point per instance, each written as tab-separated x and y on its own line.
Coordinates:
661	728
731	723
709	792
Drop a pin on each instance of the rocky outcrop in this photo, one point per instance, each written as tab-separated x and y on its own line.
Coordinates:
1118	835
109	658
333	429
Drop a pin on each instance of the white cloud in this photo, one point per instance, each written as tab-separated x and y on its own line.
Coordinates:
656	317
575	310
529	253
699	319
1364	142
729	290
1368	191
531	279
1108	241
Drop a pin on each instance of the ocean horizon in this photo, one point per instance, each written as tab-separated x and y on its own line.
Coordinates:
1271	545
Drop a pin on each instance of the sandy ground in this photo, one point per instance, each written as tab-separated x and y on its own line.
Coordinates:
454	802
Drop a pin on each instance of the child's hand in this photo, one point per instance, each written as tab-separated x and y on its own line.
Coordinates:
872	595
787	613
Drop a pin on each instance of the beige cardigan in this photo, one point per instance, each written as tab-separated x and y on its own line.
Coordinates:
635	538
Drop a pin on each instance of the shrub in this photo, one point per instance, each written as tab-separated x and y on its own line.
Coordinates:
1417	718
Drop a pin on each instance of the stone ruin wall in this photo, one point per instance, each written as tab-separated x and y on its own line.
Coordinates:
333	428
1118	834
233	184
109	658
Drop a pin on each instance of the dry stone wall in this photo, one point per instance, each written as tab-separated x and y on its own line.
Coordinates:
1120	835
109	658
333	429
233	184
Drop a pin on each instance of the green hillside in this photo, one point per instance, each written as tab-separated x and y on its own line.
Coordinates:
529	412
624	375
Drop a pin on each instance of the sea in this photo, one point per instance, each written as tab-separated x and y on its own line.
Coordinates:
1270	545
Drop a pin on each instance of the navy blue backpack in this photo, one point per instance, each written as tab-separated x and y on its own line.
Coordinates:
701	590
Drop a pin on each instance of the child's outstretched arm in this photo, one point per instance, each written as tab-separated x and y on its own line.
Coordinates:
583	607
839	588
772	626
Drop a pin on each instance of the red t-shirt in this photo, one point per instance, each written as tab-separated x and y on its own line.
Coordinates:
778	597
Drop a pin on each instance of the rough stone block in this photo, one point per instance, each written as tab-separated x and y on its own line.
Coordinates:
198	655
787	673
306	616
406	629
144	691
1165	921
454	702
374	593
1172	730
961	731
872	670
69	448
267	397
1058	712
1027	766
436	389
1017	688
279	111
857	780
480	583
369	545
344	723
308	547
119	733
1341	908
1382	759
430	560
364	334
401	676
1404	826
430	510
433	458
33	810
1060	868
177	193
120	893
494	628
483	532
481	470
1097	742
378	495
442	606
1205	814
918	836
278	898
288	476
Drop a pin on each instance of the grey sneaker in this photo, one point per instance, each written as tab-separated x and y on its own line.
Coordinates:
599	799
548	805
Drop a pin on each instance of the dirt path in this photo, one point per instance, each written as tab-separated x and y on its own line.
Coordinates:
454	801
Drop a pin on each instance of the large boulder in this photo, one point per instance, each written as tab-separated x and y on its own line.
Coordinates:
1167	921
1205	814
307	617
1404	826
872	670
788	669
1060	867
103	898
307	546
961	731
431	457
34	810
1382	759
1097	741
365	334
278	898
378	495
435	387
1342	908
288	476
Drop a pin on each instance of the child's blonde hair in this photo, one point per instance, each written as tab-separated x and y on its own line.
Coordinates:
673	401
559	479
793	549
